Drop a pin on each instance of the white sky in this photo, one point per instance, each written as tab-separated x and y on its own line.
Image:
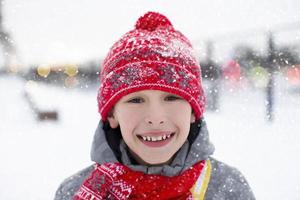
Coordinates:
60	31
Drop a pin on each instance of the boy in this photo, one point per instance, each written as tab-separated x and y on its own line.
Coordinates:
152	141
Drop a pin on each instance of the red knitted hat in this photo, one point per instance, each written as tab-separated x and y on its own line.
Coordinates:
152	56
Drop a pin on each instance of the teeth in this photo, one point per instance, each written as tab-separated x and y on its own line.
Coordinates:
154	139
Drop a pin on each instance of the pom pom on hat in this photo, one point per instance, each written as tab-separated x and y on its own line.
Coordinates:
153	20
153	56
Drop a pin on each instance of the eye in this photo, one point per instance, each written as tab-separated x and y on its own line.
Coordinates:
172	98
135	100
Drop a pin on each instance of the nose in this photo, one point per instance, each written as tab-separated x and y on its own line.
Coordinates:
152	122
156	116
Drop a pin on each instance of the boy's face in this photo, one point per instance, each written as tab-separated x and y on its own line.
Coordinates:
154	124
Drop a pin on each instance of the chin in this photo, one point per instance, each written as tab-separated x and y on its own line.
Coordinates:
152	159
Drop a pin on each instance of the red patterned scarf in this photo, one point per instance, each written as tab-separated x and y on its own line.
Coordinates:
115	181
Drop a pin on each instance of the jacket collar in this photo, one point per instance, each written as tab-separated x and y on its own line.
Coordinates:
189	154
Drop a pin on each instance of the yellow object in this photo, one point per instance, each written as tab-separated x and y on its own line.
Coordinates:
71	70
259	76
200	187
43	70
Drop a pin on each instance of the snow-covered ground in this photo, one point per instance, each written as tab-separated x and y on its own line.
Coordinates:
36	156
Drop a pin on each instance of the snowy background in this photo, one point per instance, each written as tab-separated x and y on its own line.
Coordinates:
62	31
36	156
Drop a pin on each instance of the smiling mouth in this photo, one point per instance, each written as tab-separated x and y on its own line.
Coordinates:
156	138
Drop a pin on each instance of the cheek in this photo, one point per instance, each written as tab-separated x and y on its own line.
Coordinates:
181	116
182	112
128	121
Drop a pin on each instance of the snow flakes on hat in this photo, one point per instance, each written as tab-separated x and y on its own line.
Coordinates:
152	56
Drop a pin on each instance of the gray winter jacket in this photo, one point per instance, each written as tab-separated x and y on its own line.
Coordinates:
226	183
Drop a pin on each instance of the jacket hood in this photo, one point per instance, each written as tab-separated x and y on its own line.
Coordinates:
193	150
